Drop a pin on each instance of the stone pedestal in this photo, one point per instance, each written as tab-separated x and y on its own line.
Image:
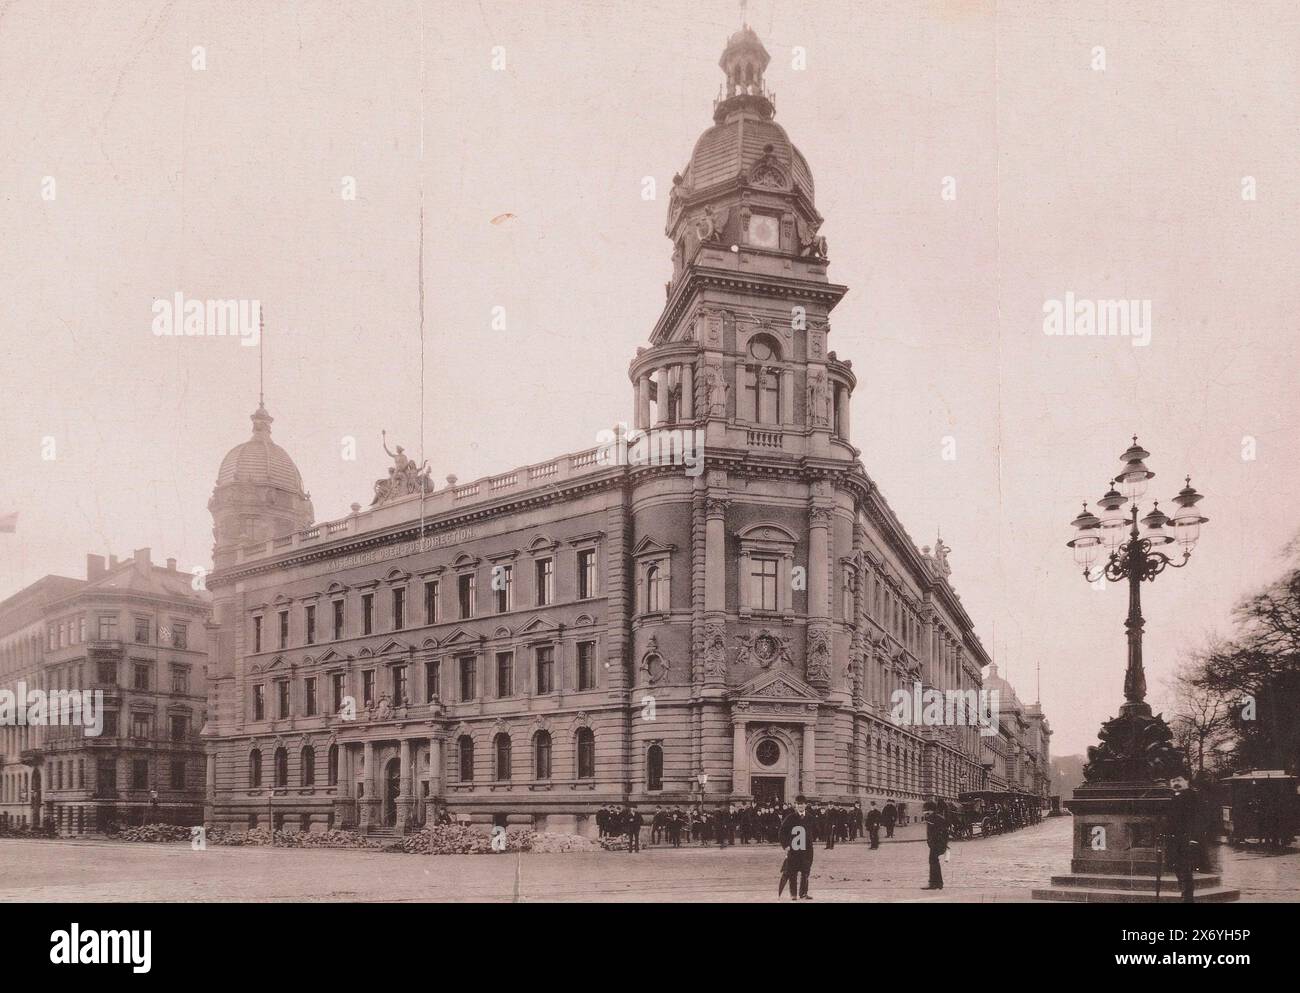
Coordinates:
405	806
1118	850
369	810
345	812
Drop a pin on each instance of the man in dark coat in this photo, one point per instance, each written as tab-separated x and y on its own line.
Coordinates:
889	817
634	822
936	840
796	839
1182	826
873	825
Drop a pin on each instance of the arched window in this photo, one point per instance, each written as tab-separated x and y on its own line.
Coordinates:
654	768
308	766
281	767
501	746
332	773
465	749
586	754
542	755
254	768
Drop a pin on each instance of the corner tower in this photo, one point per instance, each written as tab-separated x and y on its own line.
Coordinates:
741	343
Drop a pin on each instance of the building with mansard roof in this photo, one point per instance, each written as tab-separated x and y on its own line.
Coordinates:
591	629
133	634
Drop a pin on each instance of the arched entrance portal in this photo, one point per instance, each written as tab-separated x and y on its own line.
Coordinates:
392	787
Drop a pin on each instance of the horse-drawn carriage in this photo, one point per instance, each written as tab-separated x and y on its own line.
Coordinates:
1260	806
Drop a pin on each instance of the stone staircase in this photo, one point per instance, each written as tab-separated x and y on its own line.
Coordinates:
1099	887
384	835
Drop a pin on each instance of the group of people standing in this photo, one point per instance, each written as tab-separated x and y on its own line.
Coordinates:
746	823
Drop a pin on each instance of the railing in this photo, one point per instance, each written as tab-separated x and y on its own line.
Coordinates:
764	439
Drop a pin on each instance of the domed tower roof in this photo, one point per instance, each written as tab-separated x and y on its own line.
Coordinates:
260	460
258	494
745	141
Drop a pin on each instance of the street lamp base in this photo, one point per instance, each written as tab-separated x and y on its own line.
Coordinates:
1118	852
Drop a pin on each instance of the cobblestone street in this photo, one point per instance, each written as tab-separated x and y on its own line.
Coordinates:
1000	869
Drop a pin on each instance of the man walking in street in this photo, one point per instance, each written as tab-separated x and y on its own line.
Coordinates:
889	817
796	839
936	840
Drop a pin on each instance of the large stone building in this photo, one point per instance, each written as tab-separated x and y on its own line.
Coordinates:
527	647
1018	757
133	631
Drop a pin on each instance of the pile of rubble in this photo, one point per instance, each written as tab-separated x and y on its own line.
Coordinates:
154	833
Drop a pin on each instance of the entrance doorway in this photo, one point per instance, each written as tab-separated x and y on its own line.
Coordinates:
767	789
392	788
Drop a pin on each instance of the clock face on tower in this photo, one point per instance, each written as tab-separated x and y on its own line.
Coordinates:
764	231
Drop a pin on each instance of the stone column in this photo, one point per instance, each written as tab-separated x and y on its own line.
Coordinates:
370	802
740	757
842	402
808	781
688	392
715	553
663	378
643	401
210	785
819	521
406	793
436	763
787	396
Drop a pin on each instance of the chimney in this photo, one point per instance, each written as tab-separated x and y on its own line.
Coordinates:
95	568
143	556
171	565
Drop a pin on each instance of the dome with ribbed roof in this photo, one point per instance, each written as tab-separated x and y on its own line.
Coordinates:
260	460
744	139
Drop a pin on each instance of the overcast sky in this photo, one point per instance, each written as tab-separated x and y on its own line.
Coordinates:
1115	182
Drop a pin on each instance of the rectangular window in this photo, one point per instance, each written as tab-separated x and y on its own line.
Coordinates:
180	635
140	774
465	589
367	613
106	775
141	681
180	727
763	583
586	665
368	687
337	683
309	686
586	573
257	634
431	602
139	725
432	680
110	723
107	627
399	685
338	620
505	674
142	630
546	669
399	609
282	695
284	629
178	775
502	582
180	680
108	673
81	628
467	678
545	581
309	619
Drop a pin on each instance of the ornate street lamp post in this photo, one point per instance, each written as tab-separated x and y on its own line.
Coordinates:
1119	809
